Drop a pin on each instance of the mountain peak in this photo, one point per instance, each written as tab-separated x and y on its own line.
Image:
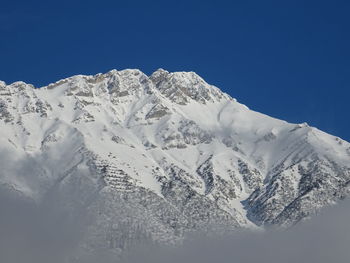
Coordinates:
169	147
182	87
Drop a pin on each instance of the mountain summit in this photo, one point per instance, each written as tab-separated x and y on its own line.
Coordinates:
158	157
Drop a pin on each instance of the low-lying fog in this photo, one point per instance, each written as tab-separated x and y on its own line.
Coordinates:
29	235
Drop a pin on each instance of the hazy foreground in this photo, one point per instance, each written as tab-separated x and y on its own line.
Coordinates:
34	236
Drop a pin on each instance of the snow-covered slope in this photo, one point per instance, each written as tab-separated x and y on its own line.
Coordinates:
168	147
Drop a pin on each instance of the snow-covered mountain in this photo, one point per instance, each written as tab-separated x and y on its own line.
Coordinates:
159	157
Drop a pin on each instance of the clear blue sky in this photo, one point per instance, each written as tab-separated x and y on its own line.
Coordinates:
288	59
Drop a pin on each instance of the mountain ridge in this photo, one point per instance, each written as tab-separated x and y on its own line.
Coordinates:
168	146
